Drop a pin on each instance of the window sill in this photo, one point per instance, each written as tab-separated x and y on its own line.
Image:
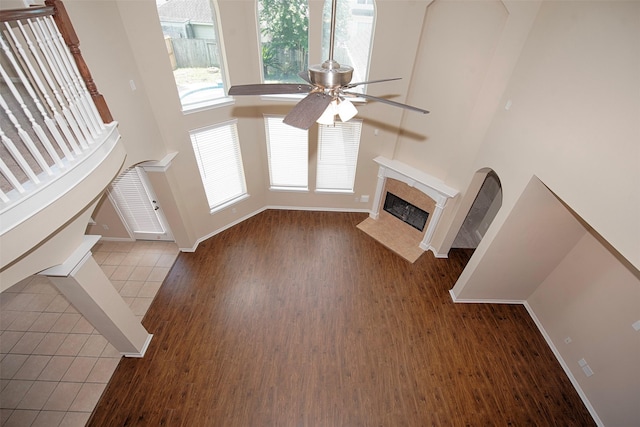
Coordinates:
229	203
283	98
331	191
207	105
290	189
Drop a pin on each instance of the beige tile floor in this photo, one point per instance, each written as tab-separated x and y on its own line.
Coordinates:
53	364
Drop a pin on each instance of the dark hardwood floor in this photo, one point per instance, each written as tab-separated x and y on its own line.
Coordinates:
296	318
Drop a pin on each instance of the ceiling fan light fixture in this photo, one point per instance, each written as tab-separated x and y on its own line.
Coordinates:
328	85
328	117
346	110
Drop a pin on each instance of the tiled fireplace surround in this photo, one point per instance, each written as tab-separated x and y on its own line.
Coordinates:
419	189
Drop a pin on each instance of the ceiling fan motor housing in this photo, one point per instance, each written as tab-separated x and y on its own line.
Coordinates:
330	74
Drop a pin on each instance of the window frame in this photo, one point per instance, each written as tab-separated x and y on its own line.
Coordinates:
359	74
219	101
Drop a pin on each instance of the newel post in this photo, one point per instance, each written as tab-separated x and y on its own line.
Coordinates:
71	39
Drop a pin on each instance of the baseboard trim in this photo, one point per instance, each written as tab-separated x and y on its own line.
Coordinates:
550	343
438	255
117	239
564	365
142	351
482	301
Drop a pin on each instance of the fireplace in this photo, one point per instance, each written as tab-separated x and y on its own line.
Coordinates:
405	211
409	194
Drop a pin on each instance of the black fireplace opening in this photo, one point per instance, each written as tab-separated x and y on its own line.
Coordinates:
405	211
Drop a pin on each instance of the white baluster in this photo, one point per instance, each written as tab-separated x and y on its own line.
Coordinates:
66	83
36	100
78	137
24	136
51	124
44	139
4	197
17	156
95	115
46	70
4	169
72	70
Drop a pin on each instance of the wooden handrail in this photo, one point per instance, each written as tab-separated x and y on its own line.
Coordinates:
70	37
32	12
61	17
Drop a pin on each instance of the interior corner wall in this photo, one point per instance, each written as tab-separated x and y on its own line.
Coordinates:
108	222
592	299
512	261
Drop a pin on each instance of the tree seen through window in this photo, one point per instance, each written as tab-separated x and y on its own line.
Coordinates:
284	36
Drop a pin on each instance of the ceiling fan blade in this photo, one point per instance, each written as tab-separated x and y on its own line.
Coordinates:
270	89
351	85
386	101
307	111
304	75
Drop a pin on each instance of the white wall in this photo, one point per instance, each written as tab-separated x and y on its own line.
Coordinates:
593	299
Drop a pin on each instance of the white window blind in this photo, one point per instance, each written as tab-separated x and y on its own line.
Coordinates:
132	200
217	152
288	155
338	146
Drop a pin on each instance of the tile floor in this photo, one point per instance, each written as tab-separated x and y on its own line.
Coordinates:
53	364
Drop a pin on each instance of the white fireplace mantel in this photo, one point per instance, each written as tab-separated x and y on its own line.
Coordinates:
429	185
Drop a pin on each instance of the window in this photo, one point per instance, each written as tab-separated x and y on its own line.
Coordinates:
217	152
338	156
284	39
194	48
288	155
353	36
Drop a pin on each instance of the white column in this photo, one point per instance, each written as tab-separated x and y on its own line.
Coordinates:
375	208
85	285
437	213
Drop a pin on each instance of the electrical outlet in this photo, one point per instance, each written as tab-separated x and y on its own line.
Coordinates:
364	198
567	340
105	226
636	325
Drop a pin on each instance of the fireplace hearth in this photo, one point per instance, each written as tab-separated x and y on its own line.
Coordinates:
405	211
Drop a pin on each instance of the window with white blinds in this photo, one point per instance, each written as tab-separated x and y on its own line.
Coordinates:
338	146
287	154
217	152
133	201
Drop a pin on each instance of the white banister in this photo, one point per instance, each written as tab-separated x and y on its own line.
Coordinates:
19	158
48	120
86	106
71	116
51	125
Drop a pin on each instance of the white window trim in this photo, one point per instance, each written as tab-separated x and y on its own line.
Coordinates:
209	105
230	203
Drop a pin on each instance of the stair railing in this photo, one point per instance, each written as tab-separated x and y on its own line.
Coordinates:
51	114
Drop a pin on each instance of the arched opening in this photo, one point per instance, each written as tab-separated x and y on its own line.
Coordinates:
482	212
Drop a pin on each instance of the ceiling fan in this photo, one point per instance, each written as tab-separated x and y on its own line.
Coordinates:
328	91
